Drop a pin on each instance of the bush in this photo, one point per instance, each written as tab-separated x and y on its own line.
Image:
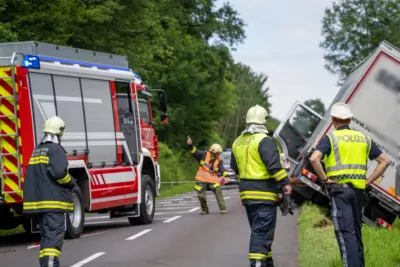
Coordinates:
176	165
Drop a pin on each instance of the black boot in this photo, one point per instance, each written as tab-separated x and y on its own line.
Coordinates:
269	263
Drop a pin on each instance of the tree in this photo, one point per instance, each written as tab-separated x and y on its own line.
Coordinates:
317	105
183	47
352	29
304	121
250	89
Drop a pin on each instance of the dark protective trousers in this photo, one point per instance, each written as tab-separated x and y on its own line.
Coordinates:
262	220
202	188
52	230
346	211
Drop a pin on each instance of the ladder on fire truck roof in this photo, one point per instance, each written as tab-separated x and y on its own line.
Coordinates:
13	116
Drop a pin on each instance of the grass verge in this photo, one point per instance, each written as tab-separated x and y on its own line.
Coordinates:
169	191
318	246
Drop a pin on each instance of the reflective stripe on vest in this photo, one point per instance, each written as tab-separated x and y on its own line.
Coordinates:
206	172
258	195
347	161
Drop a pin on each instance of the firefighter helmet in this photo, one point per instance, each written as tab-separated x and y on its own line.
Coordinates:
54	125
257	115
216	148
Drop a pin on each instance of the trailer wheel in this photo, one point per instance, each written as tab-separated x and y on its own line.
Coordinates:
76	219
148	203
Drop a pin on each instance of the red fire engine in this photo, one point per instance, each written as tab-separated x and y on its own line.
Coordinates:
110	138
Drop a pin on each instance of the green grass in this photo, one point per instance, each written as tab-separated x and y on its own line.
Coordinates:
318	246
169	191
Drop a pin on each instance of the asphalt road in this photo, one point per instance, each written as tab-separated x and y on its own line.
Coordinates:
179	237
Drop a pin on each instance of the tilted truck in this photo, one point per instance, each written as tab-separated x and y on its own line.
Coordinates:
372	92
110	140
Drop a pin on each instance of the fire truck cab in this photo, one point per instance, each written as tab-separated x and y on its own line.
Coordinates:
110	139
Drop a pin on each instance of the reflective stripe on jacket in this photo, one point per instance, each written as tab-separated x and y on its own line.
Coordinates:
47	182
347	161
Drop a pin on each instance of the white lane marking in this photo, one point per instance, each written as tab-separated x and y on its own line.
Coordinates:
174	199
196	201
173	208
83	262
172	219
194	209
34	245
139	234
102	232
227	197
176	212
164	202
96	217
177	204
119	221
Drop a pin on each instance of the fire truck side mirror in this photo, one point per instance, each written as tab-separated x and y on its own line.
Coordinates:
163	101
164	118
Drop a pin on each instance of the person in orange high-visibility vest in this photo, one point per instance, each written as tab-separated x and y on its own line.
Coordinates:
207	176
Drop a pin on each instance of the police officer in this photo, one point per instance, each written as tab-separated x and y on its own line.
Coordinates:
346	152
256	159
207	175
47	191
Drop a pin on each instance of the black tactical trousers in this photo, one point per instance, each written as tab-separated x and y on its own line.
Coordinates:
346	212
262	220
52	230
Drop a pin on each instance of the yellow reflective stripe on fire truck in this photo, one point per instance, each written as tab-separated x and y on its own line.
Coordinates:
48	204
38	160
260	195
64	180
8	143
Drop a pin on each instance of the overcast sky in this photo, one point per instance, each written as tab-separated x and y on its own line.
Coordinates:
283	42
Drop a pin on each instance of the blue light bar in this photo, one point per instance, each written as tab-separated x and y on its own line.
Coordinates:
31	62
86	64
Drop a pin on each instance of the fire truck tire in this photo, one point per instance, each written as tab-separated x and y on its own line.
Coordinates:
76	219
147	206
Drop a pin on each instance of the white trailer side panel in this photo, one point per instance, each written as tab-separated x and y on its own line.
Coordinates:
375	103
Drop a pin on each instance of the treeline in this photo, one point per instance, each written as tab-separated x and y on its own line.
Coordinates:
180	46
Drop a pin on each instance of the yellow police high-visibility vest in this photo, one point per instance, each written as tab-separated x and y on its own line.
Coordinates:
347	161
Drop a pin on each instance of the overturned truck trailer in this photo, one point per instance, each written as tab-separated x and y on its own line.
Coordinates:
372	92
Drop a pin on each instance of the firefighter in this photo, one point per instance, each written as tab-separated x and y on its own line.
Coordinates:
207	175
346	152
47	191
256	160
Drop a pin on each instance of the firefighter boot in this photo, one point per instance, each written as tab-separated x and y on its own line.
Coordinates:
203	202
220	200
269	263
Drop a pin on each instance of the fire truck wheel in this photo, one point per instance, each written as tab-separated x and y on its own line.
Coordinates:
147	207
76	219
